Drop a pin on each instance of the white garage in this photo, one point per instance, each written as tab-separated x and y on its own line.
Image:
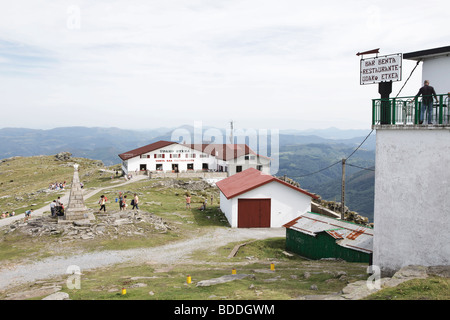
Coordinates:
252	199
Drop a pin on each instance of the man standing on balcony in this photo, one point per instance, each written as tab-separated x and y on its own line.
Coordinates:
427	93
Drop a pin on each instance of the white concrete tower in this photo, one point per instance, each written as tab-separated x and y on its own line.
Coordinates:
412	179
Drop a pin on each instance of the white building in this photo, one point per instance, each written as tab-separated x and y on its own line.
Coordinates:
435	67
169	156
412	180
253	199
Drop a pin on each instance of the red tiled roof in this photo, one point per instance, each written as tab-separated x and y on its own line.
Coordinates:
223	151
145	149
220	151
250	179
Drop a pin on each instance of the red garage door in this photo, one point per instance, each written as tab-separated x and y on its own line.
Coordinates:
253	213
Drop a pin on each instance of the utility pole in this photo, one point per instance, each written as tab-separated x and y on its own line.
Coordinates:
231	132
343	190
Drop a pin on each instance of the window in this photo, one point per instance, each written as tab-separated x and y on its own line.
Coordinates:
190	166
259	167
159	167
238	168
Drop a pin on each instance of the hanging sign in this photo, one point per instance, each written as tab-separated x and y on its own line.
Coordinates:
381	69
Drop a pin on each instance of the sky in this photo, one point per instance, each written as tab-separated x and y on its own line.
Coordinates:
265	64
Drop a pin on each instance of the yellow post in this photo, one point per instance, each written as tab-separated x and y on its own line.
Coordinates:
124	291
233	271
188	279
272	266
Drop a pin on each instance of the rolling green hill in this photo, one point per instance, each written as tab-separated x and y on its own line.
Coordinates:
299	161
300	153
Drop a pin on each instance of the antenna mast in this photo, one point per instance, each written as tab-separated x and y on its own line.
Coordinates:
231	132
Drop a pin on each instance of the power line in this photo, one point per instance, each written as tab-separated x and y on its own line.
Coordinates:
310	174
360	144
352	165
340	161
408	78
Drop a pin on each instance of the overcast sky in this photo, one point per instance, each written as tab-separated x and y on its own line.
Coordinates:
266	64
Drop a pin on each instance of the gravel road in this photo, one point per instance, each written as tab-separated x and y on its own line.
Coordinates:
167	254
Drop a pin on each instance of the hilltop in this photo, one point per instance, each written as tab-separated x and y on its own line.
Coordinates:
300	153
25	181
154	248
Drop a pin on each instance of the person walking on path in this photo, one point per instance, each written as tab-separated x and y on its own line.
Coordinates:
188	201
53	208
27	214
102	203
124	203
120	200
427	93
135	202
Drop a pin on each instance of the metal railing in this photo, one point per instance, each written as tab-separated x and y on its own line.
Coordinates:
407	110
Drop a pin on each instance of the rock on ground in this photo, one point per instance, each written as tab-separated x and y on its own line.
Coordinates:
223	279
57	296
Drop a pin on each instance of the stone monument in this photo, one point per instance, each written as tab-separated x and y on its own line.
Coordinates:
76	209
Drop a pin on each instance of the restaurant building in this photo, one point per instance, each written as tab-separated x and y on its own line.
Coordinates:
169	156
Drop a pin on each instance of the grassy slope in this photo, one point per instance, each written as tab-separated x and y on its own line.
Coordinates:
23	179
289	280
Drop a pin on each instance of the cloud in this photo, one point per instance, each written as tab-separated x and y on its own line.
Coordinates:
166	63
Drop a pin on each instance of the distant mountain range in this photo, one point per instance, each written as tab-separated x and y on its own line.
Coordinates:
298	162
106	143
301	152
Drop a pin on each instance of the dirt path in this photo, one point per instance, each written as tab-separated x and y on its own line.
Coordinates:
167	254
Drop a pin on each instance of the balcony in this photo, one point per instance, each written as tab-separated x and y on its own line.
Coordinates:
406	111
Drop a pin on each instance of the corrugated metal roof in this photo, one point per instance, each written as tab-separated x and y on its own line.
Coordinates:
337	234
347	234
250	179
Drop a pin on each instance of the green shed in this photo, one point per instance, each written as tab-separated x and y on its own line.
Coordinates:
316	236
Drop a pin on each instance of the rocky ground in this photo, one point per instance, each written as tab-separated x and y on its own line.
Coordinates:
107	225
112	224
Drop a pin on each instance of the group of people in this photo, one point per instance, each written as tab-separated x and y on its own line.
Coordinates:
12	214
7	214
57	186
202	207
122	200
57	208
